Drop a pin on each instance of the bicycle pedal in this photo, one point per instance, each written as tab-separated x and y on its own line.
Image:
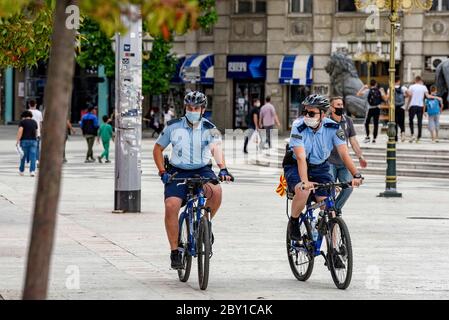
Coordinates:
326	261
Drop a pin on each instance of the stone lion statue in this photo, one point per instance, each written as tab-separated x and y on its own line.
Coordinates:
442	78
346	83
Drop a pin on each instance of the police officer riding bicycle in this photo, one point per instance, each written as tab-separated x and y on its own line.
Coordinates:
312	139
195	140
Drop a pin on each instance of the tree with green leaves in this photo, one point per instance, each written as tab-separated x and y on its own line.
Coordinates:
159	68
161	16
94	47
25	36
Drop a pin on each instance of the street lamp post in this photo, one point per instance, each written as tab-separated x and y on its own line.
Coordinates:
394	6
367	55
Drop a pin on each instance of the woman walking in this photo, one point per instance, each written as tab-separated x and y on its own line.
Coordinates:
27	140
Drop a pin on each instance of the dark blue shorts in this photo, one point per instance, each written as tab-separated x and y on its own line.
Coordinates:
318	174
173	190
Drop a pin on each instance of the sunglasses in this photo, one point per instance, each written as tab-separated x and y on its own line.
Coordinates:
310	114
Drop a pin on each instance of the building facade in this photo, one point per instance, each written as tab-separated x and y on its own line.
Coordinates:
281	47
271	47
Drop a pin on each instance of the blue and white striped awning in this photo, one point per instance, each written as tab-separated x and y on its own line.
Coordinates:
202	64
177	76
296	70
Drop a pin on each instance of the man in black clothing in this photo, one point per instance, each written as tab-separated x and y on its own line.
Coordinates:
253	123
27	141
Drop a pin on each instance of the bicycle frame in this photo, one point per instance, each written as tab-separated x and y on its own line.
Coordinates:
191	217
328	203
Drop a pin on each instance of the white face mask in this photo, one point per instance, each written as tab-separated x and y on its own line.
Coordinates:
311	122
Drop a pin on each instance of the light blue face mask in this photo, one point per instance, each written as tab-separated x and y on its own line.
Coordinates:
193	117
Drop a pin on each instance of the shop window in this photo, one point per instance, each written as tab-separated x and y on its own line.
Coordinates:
245	93
250	6
346	6
440	5
301	6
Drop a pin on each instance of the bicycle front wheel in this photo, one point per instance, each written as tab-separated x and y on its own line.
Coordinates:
300	253
204	250
183	244
339	253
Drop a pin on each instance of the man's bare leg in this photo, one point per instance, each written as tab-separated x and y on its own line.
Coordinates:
299	201
213	194
172	206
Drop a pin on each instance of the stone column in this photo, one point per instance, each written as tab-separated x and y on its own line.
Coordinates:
412	24
222	109
323	11
276	30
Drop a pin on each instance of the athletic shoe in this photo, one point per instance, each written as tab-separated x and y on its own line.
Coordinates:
32	174
367	140
412	139
374	140
108	161
176	260
295	233
99	160
402	136
20	173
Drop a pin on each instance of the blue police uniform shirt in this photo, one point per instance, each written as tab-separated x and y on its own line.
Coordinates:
318	145
191	146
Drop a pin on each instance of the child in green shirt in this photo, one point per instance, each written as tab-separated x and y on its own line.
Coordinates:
106	134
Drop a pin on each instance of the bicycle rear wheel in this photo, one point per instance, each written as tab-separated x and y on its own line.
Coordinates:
300	253
183	243
204	250
340	253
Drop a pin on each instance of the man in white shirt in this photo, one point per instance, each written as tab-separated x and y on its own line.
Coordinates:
37	116
417	92
268	118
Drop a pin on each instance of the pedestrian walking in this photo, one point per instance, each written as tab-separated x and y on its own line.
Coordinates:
374	97
253	123
400	94
267	119
337	166
106	134
37	116
433	108
169	113
27	140
69	131
417	92
89	127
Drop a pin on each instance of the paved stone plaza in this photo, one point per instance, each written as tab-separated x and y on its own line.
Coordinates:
400	245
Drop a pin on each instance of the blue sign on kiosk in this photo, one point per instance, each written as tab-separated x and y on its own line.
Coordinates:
246	67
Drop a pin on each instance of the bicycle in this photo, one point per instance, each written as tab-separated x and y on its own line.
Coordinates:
333	229
195	234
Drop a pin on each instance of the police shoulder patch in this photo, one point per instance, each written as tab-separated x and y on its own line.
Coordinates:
341	134
215	133
169	123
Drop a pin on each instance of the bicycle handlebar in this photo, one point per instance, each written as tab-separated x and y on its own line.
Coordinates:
346	184
330	185
201	180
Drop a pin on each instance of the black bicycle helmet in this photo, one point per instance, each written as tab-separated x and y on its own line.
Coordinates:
317	101
195	98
